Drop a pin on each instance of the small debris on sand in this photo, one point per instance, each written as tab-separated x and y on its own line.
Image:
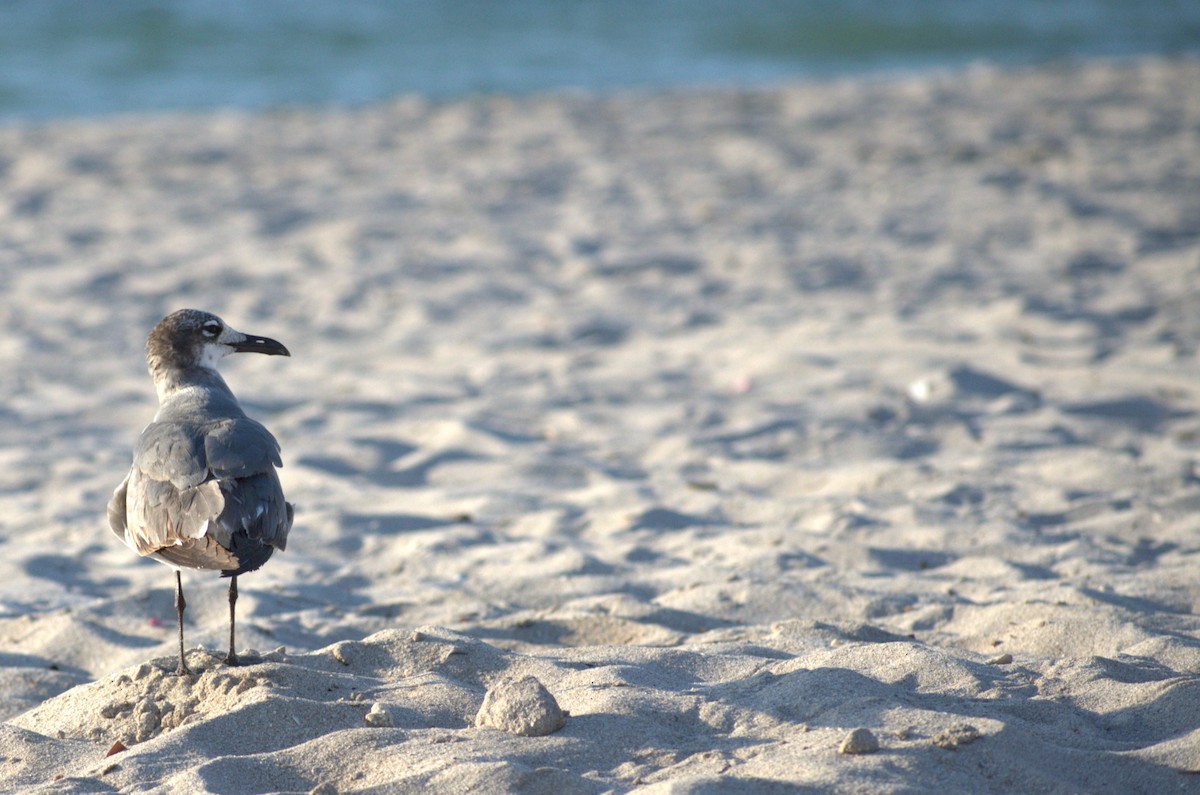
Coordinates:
860	741
523	706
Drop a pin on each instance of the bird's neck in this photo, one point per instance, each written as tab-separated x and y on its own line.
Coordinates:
193	387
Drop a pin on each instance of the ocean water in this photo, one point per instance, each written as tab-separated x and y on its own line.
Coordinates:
94	57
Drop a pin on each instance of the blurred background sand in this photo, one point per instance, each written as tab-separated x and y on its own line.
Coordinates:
743	398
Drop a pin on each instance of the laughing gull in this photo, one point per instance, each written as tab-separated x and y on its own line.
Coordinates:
202	492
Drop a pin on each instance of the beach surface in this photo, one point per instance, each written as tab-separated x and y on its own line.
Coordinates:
840	436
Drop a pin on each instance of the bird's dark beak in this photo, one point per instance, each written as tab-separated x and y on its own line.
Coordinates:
253	344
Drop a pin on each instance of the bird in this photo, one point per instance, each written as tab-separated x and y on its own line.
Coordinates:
202	491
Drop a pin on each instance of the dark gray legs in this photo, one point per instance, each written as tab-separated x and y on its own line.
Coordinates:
180	604
231	658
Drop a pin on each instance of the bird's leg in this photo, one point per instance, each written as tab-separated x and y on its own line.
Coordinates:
180	604
231	658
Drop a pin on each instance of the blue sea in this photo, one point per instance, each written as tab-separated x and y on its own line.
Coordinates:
66	58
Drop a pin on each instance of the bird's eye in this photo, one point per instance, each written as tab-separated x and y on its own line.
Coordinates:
211	328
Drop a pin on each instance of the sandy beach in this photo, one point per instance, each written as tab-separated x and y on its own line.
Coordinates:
835	437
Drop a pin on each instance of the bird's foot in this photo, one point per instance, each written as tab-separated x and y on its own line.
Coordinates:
183	670
232	660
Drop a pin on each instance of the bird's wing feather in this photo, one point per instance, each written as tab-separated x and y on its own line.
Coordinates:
159	515
199	553
255	505
116	508
173	453
240	447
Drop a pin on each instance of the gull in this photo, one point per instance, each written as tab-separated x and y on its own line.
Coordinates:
202	492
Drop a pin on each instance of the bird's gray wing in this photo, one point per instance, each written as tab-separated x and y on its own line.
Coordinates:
171	501
160	516
256	510
240	447
243	454
172	452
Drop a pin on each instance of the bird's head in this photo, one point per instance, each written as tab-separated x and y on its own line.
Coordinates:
191	338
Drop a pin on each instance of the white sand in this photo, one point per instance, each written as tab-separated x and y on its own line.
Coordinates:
738	420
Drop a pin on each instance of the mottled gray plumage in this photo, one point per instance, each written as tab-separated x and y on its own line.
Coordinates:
202	492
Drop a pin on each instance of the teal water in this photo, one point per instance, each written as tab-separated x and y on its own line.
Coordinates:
95	57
